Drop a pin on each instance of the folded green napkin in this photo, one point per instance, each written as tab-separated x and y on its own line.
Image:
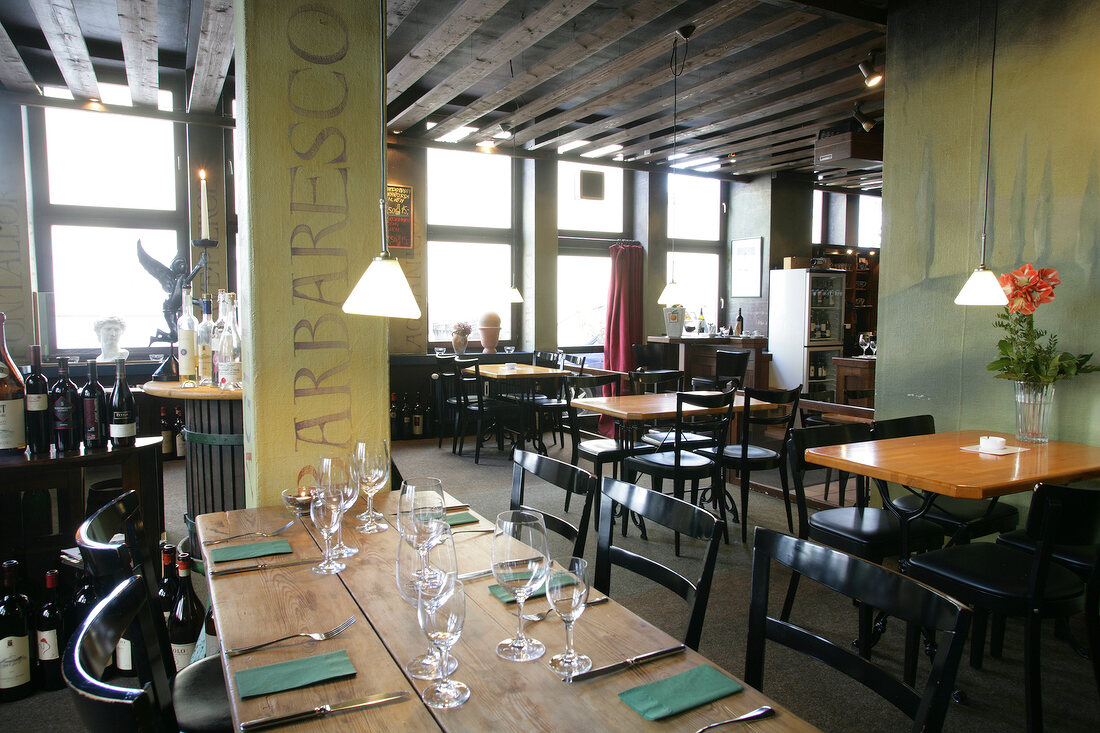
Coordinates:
680	692
461	518
252	549
505	596
291	675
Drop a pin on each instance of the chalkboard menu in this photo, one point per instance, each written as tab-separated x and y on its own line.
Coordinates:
399	203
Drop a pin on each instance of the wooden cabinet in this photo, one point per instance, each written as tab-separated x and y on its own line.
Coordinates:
854	373
695	356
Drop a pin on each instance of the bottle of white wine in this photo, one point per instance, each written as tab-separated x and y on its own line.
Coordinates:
186	622
230	374
185	328
204	344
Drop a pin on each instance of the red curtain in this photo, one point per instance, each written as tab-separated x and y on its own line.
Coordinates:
624	313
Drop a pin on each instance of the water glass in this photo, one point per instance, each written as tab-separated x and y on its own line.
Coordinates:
420	510
406	572
441	612
509	349
567	590
370	464
440	350
333	473
326	509
520	565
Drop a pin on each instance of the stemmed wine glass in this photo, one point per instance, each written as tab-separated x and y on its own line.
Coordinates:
420	511
370	465
521	563
333	473
863	343
567	591
874	347
326	509
441	611
406	572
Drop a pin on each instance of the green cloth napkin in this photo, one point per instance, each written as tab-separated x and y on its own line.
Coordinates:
461	518
505	596
291	675
680	692
252	549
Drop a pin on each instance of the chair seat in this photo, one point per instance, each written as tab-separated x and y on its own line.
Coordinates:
955	512
733	453
870	533
490	405
667	437
1078	558
667	459
200	699
600	446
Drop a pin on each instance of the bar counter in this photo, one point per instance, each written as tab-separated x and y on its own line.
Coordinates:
694	355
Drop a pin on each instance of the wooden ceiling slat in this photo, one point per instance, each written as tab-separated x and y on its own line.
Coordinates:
848	11
748	168
215	51
137	24
13	72
396	12
60	26
572	53
530	30
444	38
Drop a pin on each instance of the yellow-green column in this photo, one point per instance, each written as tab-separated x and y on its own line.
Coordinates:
308	184
15	267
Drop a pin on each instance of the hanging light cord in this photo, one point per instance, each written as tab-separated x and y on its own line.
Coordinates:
383	80
676	72
989	131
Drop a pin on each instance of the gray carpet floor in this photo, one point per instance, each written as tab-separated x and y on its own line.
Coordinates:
810	689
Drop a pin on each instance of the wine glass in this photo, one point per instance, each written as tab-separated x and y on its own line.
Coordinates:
863	343
333	473
326	509
406	571
441	612
874	347
370	463
567	591
420	510
521	563
509	349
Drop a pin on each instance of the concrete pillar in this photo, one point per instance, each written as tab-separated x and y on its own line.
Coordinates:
15	261
652	201
540	255
308	183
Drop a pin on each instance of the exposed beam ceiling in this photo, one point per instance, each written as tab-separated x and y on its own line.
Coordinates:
215	51
58	21
137	22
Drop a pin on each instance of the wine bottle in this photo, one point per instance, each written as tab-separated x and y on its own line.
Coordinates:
219	331
169	581
48	630
39	420
204	345
185	328
13	432
181	441
167	436
67	428
418	418
15	650
84	600
739	327
213	645
395	417
94	403
406	417
230	368
123	427
186	622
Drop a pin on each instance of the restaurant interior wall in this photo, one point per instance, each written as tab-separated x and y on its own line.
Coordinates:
1044	202
407	166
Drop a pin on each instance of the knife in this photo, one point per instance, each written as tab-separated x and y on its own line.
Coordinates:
264	566
464	577
626	664
323	710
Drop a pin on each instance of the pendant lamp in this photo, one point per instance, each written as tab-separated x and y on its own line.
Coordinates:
673	293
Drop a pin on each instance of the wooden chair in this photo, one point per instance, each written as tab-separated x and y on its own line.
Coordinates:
870	585
557	473
669	512
446	400
650	358
729	371
663	380
486	411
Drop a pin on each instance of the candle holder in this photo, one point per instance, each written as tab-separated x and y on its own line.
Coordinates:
205	245
169	369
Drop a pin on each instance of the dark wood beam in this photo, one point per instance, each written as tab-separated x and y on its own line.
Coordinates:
137	23
396	12
13	72
215	51
848	11
58	21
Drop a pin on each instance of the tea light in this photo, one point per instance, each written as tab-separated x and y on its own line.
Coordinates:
297	500
991	443
509	366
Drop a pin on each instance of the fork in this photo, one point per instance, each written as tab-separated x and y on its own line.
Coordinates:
280	530
316	636
543	615
764	711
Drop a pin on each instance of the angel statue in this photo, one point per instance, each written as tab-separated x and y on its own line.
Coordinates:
172	278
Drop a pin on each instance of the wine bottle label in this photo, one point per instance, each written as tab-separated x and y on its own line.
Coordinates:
13	432
182	654
91	419
166	442
205	361
47	645
187	353
181	445
38	402
213	646
15	662
123	429
124	655
418	424
230	372
62	412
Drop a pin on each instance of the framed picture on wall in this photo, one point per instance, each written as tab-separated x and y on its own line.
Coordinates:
746	263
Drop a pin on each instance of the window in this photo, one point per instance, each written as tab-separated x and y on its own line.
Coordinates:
582	299
466	280
870	221
697	274
694	207
469	189
578	212
816	235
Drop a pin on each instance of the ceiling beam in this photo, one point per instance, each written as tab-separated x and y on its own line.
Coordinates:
58	21
848	11
13	72
215	51
396	12
137	24
38	100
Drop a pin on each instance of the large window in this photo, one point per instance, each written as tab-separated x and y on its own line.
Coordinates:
469	189
582	299
465	281
694	207
697	275
870	221
590	198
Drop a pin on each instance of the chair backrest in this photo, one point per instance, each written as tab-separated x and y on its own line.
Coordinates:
468	385
570	478
109	560
576	360
687	427
730	366
784	413
107	707
879	588
676	515
664	381
648	356
1062	516
803	438
903	427
546	359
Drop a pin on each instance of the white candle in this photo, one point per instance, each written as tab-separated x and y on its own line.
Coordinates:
204	211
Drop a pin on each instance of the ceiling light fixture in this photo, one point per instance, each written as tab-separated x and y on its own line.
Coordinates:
383	289
514	295
983	288
861	117
872	77
671	294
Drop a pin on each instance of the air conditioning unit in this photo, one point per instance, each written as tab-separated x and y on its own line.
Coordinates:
846	148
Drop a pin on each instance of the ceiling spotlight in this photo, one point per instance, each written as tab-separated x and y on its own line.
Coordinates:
686	31
863	119
872	77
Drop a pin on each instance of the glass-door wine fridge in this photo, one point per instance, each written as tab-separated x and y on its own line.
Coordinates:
806	329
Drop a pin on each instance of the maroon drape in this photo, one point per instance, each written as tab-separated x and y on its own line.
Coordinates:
624	313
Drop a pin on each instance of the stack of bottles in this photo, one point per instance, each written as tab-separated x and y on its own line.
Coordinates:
210	350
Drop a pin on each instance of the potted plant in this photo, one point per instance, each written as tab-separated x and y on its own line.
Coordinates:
460	336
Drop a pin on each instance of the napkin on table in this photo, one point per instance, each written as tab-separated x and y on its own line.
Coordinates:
680	692
505	596
251	549
461	518
283	676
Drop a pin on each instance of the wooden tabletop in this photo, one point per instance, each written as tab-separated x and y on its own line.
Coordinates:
938	464
256	606
640	407
178	392
522	371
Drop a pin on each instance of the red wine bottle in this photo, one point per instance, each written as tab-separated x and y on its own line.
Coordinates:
50	635
167	436
213	645
39	421
13	433
186	622
83	602
15	639
169	581
93	399
123	426
67	428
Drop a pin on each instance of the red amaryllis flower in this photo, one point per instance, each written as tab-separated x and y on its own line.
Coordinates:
1028	288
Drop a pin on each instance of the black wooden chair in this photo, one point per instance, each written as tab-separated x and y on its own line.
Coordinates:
1001	579
679	516
870	585
557	473
487	412
729	369
650	358
444	382
199	690
663	380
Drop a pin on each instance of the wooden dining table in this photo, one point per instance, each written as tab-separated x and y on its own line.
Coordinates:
528	375
256	606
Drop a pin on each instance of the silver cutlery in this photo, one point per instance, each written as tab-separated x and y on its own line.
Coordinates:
764	711
476	531
280	530
315	635
323	710
264	566
448	508
626	663
543	615
475	575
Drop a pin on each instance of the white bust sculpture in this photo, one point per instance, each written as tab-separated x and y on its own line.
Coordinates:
109	330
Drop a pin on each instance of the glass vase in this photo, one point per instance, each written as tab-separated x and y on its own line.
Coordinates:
1034	401
459	343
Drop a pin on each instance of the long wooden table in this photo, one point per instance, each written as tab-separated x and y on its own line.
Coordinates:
256	606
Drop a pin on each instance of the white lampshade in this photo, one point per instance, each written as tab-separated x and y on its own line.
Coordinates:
672	294
982	288
514	296
383	291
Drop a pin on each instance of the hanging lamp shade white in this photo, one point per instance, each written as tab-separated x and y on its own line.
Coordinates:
514	295
673	294
982	288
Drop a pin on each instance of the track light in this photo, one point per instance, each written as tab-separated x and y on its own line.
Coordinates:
872	77
862	118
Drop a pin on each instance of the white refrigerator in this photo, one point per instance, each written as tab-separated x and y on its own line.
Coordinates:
806	329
